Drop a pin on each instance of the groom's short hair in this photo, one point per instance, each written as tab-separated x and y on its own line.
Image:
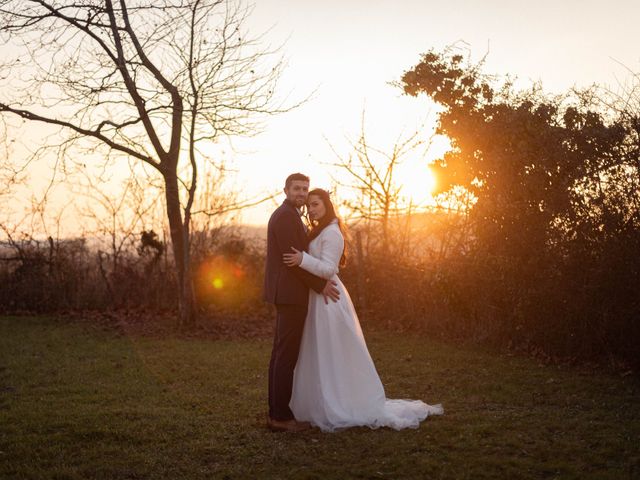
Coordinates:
295	176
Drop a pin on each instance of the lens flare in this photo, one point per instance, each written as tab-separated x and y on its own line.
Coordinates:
225	281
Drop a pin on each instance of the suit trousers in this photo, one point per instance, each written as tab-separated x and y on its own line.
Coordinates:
284	356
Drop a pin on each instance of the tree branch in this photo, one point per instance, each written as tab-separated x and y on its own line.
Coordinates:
27	115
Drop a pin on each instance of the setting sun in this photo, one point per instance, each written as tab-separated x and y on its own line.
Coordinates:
415	177
416	183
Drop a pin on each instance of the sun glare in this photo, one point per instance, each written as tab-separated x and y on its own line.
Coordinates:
417	183
416	178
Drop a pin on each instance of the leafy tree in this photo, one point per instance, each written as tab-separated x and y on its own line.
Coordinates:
554	178
522	154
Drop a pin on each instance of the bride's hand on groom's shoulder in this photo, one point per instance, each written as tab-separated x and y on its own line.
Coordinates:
292	259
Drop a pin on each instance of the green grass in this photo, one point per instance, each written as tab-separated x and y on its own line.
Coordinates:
79	402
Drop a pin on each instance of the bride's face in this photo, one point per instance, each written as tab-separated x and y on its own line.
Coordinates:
316	208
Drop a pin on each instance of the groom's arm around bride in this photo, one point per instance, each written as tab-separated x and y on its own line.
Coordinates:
283	284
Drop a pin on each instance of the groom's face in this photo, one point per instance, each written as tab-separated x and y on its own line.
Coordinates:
297	192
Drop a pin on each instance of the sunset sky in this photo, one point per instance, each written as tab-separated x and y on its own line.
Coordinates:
345	53
350	50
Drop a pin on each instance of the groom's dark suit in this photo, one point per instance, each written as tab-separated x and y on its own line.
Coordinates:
288	289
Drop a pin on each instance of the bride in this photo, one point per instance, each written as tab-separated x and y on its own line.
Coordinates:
335	383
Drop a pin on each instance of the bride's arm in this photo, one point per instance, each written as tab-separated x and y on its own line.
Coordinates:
326	266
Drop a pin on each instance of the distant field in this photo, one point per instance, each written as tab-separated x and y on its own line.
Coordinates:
85	403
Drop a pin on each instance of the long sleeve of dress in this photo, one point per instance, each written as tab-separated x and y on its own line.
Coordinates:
331	248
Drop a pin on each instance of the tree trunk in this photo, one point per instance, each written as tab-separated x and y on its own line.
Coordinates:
186	300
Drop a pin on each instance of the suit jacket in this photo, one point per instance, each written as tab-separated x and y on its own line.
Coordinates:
282	284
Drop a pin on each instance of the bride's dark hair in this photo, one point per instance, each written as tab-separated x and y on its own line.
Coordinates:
318	225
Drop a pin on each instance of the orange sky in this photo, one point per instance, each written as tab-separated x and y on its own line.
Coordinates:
350	50
347	51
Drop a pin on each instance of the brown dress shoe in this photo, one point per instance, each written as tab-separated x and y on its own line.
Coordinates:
305	425
287	425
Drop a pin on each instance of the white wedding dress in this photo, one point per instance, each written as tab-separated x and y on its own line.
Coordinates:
335	383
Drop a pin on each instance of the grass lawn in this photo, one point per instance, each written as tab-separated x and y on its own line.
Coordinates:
84	403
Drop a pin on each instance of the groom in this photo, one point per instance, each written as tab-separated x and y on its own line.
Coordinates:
288	289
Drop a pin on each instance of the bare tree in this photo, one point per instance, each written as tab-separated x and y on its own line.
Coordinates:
624	180
153	81
370	172
117	219
217	206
